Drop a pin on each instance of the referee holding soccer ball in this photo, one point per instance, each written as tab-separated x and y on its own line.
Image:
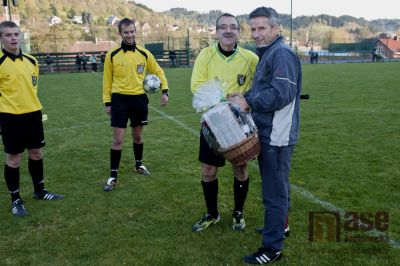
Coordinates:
20	117
124	97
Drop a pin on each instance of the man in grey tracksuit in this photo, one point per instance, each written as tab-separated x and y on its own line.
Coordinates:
274	102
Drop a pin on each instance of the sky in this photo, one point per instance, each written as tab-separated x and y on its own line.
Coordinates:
357	8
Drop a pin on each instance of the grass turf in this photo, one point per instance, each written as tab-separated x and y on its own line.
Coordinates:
347	156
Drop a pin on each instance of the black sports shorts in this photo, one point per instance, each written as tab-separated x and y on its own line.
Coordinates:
207	155
133	107
23	131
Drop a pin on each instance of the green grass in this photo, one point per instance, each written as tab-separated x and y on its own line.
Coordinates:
348	155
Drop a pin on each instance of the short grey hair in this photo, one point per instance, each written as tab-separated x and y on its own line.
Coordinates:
267	12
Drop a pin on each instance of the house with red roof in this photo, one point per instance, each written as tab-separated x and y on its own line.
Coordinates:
388	46
87	46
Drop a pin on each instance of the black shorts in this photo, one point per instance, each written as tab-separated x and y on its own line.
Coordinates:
207	155
20	132
133	107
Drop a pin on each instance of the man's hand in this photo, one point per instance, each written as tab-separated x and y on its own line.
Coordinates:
108	110
238	98
164	99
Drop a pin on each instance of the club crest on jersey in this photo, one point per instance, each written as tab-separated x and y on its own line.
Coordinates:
241	79
140	69
34	80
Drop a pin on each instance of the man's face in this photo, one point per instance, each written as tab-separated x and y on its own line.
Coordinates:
262	32
227	31
128	34
10	40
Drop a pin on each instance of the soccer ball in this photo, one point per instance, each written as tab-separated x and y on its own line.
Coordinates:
151	83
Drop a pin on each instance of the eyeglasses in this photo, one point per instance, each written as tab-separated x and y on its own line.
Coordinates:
225	27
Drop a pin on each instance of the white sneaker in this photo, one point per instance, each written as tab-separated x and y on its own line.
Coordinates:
142	170
111	184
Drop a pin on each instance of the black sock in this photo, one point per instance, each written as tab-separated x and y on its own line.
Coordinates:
11	176
240	189
210	190
138	151
35	168
115	158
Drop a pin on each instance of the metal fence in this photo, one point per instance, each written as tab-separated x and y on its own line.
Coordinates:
186	48
66	62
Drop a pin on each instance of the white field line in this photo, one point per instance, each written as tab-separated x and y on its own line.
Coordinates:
172	118
305	193
90	124
97	74
106	122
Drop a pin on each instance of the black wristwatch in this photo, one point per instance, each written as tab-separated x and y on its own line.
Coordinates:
165	92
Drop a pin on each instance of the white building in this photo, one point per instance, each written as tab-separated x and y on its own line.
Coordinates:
54	20
111	20
77	19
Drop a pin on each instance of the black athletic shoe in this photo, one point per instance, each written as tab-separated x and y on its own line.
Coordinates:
263	256
287	231
18	209
238	223
111	184
205	221
141	169
46	195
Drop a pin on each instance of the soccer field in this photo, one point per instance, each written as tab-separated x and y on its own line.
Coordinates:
347	159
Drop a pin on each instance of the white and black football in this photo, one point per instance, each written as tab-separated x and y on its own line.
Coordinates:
151	83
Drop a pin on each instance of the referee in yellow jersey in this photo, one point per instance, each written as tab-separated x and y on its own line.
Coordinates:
235	66
20	117
124	97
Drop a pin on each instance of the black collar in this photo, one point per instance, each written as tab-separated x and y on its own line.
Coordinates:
226	53
13	56
127	47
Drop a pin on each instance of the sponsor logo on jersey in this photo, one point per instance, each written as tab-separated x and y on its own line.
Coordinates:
140	69
241	79
34	80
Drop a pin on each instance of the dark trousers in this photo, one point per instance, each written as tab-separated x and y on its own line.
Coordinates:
274	165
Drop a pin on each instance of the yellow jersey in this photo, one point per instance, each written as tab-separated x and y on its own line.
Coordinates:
18	83
125	70
237	70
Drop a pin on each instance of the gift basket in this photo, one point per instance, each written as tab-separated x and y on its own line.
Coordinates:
228	130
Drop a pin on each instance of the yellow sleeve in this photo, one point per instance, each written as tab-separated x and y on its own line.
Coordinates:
199	74
107	78
253	66
154	68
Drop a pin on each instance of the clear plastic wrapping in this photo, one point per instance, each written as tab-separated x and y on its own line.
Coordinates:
224	126
209	94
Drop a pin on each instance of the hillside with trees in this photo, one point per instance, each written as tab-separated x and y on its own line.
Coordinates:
322	28
35	16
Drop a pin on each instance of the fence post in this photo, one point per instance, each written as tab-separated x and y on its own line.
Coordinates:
57	63
188	48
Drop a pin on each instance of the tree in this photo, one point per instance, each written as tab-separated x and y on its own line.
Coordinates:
84	18
53	10
204	41
89	17
71	13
